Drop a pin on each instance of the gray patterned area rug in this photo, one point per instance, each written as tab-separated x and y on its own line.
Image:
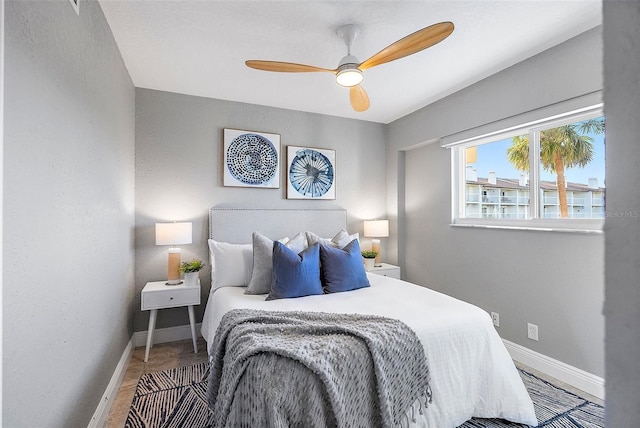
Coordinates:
177	398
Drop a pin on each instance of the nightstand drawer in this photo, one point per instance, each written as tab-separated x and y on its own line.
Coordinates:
171	298
385	269
391	273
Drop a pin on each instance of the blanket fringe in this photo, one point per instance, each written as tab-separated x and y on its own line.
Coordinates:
421	403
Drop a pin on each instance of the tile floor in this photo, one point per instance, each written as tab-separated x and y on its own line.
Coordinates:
165	356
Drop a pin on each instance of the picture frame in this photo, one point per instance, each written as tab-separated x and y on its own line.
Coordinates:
311	173
251	159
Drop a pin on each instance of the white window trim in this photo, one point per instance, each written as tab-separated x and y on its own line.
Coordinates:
526	119
533	126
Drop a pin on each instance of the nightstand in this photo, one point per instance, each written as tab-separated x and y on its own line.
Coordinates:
387	270
158	295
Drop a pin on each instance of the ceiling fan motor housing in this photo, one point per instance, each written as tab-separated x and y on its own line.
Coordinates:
348	73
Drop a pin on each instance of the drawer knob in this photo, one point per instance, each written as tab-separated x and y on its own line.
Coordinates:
170	298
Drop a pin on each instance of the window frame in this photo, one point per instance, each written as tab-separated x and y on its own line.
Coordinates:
535	221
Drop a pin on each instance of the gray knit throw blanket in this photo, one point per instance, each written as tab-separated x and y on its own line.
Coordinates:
305	369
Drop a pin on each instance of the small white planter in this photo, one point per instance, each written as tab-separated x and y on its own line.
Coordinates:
191	278
368	264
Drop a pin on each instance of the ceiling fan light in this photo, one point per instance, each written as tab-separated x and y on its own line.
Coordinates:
349	75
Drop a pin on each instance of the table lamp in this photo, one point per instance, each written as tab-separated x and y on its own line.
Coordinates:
376	229
173	234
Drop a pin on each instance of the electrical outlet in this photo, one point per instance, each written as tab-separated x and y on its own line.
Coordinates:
532	331
496	318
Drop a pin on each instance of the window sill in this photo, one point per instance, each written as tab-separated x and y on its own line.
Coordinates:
589	226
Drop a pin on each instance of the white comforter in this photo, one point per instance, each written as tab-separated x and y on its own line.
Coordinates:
472	373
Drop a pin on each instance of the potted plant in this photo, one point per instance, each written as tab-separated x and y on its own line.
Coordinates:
369	259
191	271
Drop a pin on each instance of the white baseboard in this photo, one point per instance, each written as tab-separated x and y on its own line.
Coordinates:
574	376
101	414
164	335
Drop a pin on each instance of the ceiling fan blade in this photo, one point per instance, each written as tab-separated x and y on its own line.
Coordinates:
287	67
359	98
411	44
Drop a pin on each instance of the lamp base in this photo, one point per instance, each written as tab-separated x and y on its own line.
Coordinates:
173	274
375	246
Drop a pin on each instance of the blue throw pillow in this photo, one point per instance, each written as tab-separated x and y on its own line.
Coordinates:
342	269
295	275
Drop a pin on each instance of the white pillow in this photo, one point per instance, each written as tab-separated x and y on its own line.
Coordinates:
341	240
231	264
298	243
260	282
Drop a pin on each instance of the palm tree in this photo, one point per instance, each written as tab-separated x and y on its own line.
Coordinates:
560	148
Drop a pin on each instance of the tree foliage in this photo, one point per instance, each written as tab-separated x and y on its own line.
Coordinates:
563	147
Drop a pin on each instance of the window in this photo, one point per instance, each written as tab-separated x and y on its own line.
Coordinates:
549	174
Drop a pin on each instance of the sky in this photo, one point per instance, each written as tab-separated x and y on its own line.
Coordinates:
493	157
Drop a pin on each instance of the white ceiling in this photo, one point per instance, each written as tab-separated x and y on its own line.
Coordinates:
199	47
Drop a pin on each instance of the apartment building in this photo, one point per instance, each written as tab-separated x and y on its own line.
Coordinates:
508	198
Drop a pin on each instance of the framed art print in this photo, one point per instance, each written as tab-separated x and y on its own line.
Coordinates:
311	173
251	159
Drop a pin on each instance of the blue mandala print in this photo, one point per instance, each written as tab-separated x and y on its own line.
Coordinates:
252	159
311	173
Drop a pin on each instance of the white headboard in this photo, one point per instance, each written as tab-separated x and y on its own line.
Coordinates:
236	225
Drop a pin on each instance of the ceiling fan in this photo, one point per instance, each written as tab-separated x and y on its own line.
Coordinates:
349	70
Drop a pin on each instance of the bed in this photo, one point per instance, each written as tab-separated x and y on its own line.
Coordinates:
471	373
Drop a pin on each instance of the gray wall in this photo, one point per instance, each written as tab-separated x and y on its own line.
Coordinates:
621	34
554	280
68	212
179	175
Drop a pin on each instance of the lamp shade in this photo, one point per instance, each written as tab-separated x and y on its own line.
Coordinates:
376	228
173	233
